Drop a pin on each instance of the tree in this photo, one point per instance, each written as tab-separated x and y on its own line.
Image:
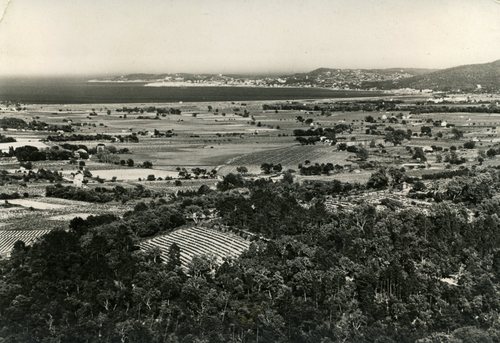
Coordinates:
426	130
341	146
277	167
204	189
418	186
457	134
419	154
174	257
266	168
396	137
470	145
29	153
231	181
362	153
378	180
130	162
352	148
147	164
398	176
242	169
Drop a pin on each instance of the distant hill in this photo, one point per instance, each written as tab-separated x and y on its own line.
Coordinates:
385	71
155	77
353	78
321	77
465	78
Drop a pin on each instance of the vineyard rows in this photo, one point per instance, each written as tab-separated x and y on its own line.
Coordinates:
9	237
197	241
292	156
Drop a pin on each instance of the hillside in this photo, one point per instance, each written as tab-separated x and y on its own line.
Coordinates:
321	77
466	77
352	78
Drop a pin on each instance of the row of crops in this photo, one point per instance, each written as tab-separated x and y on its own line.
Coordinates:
292	156
9	237
196	241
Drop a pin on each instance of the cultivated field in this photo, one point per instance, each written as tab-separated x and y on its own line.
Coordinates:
184	146
9	237
196	241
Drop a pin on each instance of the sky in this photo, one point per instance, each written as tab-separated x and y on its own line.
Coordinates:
62	37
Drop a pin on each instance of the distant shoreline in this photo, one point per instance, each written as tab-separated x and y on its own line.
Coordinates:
83	92
183	84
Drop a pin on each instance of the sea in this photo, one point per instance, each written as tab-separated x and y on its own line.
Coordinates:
65	90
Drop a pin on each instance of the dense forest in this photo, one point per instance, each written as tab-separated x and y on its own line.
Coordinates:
363	274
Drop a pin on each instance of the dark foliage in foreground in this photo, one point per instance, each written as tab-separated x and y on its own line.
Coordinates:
359	275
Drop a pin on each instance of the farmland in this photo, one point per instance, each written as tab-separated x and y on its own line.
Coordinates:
166	148
249	171
232	207
9	237
198	241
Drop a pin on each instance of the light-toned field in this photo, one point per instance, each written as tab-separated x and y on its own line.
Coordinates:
168	156
69	216
129	174
37	205
224	139
197	241
360	177
4	147
9	237
292	156
51	213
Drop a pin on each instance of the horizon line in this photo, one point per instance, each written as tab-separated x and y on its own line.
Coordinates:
244	73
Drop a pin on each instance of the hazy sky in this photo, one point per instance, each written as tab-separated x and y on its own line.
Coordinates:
124	36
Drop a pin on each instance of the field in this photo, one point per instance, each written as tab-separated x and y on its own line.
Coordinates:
132	173
196	241
4	147
50	213
9	237
289	157
208	140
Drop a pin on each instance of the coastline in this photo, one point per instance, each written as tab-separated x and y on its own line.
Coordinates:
60	91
